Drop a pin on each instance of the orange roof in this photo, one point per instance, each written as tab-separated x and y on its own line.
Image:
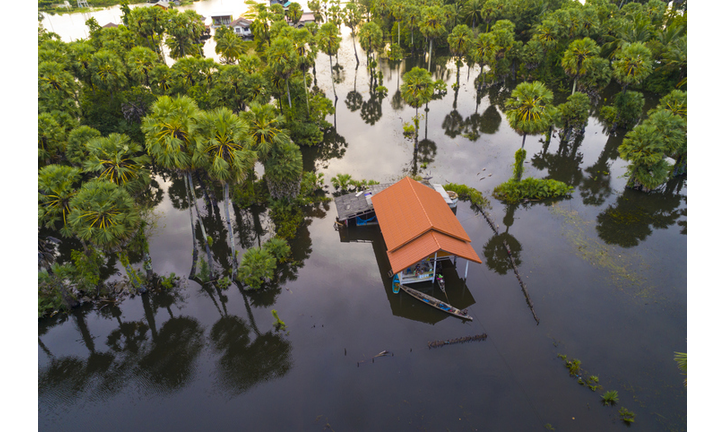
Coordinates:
416	222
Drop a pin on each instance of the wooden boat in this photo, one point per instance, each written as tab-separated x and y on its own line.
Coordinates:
437	304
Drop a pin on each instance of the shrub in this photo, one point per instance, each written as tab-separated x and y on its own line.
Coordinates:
530	188
257	267
278	248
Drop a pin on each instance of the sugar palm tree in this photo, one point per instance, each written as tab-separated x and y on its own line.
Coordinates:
283	170
575	58
632	64
417	89
307	53
370	39
352	16
57	185
105	215
222	141
228	45
528	110
119	160
108	72
283	60
432	25
169	130
460	42
140	61
645	153
328	41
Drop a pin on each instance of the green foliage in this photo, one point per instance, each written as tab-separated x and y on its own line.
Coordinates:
574	367
475	197
532	189
518	164
626	415
87	268
528	109
203	274
168	282
311	189
257	267
610	397
279	324
50	300
223	283
278	248
287	217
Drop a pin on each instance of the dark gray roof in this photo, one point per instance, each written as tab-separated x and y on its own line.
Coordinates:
355	204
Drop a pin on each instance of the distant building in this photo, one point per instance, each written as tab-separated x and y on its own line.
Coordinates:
221	19
110	25
241	27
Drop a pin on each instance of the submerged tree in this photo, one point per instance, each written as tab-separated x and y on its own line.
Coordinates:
528	110
417	89
222	140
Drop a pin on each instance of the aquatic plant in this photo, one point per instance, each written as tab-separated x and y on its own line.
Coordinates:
257	267
610	397
278	248
223	283
279	324
530	188
466	193
574	367
626	415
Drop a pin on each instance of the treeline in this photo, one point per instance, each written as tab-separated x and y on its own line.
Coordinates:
112	112
531	46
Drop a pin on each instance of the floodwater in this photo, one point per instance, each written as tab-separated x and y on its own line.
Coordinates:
605	270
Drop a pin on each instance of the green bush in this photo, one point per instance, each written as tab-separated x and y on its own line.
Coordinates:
278	248
287	217
465	193
257	267
513	191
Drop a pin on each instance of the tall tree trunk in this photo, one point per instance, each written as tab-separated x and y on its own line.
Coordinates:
331	72
523	144
306	93
289	96
193	228
354	45
231	233
417	123
201	223
429	56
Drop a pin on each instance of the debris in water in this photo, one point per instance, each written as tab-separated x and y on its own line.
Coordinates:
440	343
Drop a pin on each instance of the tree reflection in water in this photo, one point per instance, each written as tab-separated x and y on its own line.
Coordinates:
496	255
631	219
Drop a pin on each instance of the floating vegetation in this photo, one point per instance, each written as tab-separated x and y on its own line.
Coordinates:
279	324
610	397
439	343
618	262
626	415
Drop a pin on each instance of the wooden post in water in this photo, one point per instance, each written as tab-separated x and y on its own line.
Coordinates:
467	263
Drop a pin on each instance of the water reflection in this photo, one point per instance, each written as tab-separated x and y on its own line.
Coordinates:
495	251
563	165
596	187
631	219
243	362
401	304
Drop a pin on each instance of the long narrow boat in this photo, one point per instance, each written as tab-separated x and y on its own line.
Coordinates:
437	304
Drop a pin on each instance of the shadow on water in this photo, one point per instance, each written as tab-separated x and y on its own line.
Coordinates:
634	215
401	304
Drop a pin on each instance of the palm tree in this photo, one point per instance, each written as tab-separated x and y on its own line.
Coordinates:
307	53
575	59
645	151
56	188
169	130
370	39
294	13
222	140
140	61
283	170
329	41
56	88
228	45
265	129
283	60
184	31
417	89
632	64
432	26
352	18
529	108
75	150
105	215
460	41
108	72
119	160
